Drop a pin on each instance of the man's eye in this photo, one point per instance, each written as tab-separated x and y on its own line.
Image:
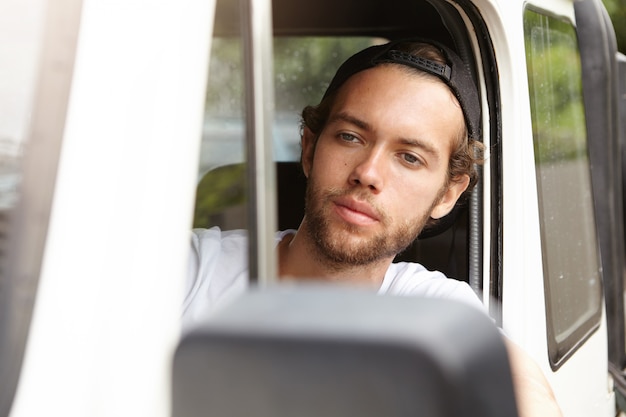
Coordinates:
411	159
347	137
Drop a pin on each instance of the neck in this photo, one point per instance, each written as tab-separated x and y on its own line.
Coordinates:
299	259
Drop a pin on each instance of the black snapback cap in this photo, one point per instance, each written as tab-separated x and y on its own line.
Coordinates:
455	74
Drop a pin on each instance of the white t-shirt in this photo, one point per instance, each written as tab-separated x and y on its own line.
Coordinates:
218	272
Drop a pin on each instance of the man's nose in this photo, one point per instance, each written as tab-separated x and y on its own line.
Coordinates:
369	171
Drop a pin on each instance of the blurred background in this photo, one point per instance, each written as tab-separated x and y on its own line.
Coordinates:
617	11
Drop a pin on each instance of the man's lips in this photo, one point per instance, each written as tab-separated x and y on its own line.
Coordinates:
356	212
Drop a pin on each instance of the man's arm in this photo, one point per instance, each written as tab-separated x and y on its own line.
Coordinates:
534	395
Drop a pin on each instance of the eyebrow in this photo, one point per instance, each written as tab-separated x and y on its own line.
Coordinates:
345	117
423	145
417	143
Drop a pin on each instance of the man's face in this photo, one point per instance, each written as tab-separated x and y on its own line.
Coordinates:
379	168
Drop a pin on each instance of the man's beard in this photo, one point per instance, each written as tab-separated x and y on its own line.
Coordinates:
334	244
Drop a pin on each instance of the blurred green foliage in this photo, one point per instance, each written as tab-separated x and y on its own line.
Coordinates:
617	12
218	190
303	68
555	88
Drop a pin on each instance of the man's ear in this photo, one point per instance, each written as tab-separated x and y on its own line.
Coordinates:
308	149
456	187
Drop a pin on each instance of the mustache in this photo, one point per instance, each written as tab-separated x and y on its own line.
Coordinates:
362	196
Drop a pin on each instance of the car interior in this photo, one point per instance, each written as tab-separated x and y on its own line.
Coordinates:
453	246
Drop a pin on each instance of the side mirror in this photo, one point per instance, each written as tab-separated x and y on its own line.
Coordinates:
312	352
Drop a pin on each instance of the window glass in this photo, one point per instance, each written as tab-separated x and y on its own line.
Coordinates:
221	191
303	67
569	246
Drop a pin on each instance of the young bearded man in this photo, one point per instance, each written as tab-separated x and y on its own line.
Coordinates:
390	148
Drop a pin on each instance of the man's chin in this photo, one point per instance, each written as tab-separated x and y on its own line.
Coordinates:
354	250
340	244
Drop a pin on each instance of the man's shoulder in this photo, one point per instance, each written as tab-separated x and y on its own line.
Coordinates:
407	276
413	279
218	271
215	234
